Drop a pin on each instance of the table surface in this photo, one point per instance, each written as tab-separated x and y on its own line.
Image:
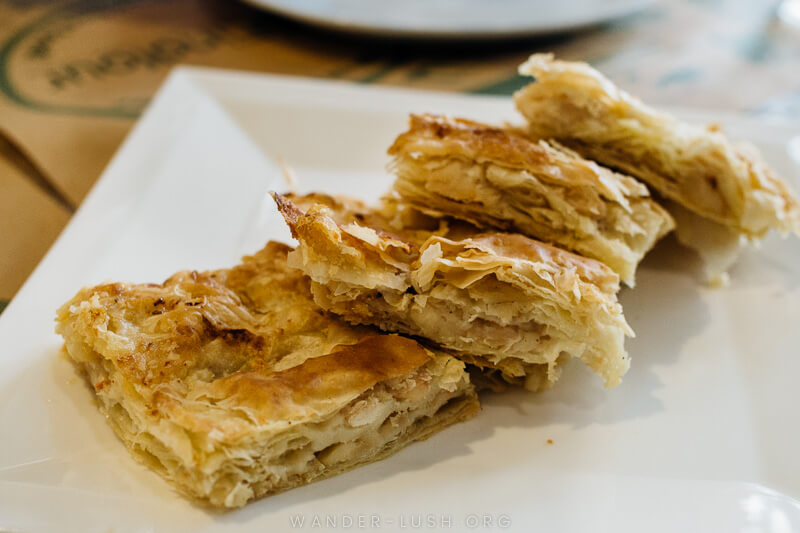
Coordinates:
74	76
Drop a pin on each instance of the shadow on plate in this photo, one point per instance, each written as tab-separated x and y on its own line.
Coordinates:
772	264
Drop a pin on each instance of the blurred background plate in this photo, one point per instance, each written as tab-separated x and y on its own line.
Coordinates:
452	19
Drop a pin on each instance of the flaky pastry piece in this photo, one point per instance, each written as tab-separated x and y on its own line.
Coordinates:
501	301
233	384
697	168
494	178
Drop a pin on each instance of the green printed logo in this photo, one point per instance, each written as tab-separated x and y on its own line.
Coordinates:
55	64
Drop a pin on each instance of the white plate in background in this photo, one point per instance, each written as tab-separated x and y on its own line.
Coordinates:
452	19
702	435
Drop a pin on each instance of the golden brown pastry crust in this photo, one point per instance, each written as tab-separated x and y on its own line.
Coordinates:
699	168
495	178
504	300
233	384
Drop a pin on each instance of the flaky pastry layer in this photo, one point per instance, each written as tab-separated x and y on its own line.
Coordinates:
495	178
503	300
233	384
698	168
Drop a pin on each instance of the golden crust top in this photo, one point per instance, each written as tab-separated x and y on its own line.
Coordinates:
303	392
204	346
519	246
318	229
435	135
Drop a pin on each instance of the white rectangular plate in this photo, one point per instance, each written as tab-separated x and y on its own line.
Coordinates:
702	435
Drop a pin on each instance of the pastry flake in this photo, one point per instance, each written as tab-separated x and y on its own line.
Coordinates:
501	301
698	168
233	384
496	178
